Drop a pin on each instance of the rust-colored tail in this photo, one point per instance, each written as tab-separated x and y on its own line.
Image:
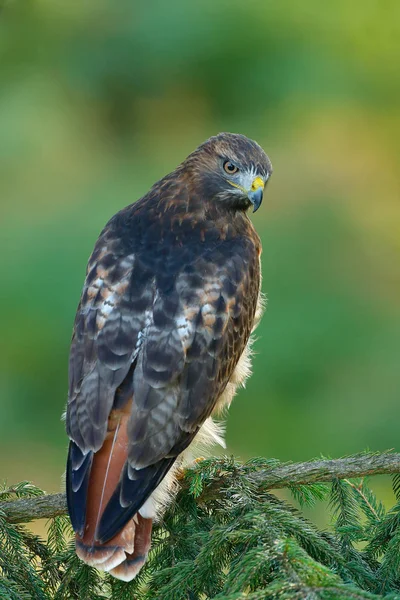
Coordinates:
125	553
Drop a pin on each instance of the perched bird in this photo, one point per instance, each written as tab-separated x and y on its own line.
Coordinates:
160	343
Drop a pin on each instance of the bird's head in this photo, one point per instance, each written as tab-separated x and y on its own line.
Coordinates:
231	169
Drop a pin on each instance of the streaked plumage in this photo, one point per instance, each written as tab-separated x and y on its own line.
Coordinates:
160	342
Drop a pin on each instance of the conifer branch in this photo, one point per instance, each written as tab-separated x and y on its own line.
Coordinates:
47	506
24	510
360	465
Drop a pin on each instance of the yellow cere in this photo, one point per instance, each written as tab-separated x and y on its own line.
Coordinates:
257	183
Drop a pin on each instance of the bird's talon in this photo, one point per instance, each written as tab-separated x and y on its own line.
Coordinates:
180	474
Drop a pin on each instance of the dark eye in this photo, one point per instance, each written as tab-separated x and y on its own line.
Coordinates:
230	168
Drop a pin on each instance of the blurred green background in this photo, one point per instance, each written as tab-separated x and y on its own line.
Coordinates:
99	99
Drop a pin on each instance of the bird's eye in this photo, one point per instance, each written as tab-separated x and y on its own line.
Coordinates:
230	168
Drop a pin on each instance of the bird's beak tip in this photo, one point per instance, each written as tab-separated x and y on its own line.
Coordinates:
255	197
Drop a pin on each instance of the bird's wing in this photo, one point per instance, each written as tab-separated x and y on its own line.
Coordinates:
168	332
111	317
109	323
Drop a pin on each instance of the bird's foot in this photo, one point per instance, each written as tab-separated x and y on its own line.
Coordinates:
180	473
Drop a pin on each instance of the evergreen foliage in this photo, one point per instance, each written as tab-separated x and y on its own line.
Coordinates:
226	537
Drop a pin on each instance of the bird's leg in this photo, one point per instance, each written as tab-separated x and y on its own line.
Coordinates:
180	471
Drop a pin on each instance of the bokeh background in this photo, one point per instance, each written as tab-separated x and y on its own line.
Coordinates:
99	99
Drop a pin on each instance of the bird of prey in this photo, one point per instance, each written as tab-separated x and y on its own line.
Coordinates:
160	344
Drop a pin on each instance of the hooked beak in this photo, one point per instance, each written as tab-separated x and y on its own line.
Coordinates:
255	195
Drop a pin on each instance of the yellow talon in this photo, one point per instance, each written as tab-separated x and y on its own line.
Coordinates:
180	474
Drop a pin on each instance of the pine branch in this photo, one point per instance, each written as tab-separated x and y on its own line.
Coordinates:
282	476
24	510
315	471
225	537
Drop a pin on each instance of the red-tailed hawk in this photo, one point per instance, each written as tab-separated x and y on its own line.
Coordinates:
160	343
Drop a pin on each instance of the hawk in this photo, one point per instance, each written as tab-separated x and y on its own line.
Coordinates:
160	344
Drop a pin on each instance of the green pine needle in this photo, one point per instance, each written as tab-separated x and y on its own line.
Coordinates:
226	537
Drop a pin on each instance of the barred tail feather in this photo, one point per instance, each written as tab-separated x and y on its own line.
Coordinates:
134	561
124	555
109	555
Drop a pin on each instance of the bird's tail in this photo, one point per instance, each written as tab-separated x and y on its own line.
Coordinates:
124	555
